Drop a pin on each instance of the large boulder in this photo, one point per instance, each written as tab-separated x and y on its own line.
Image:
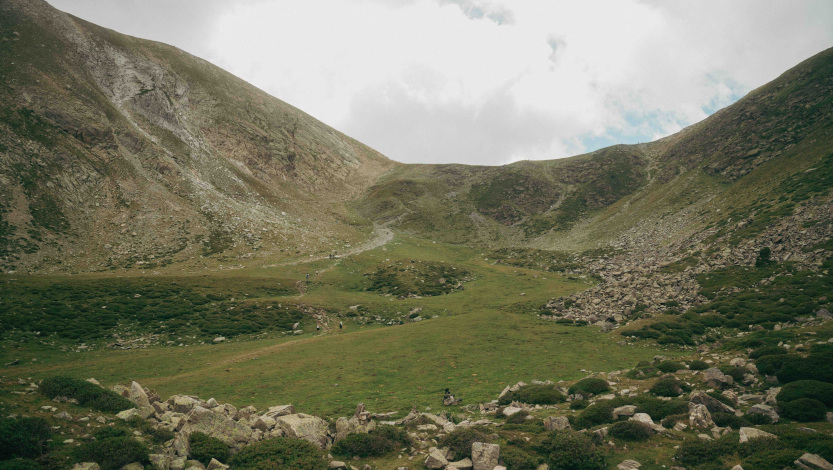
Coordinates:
232	433
484	456
764	410
556	423
717	379
307	427
813	462
436	458
182	403
138	395
280	410
713	404
626	410
748	434
699	416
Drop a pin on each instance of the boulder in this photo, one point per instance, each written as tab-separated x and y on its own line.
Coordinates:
764	410
717	379
556	423
138	466
712	404
182	403
748	434
484	456
307	427
216	465
264	423
629	465
464	464
127	414
627	410
699	416
232	433
245	413
280	410
813	462
510	410
436	458
338	465
772	396
345	427
138	395
86	466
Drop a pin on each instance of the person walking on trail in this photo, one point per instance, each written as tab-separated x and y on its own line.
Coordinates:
317	328
340	325
307	276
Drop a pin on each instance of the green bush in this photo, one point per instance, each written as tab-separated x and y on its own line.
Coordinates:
19	464
767	351
770	365
697	451
534	395
112	453
631	430
596	414
566	450
657	408
589	386
668	387
579	404
821	391
736	372
23	437
204	448
729	420
87	394
280	453
772	459
758	419
380	441
460	441
518	418
698	365
804	410
670	366
670	420
518	459
819	443
813	367
158	435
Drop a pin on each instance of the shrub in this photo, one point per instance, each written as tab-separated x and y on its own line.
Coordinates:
813	367
540	395
697	451
19	464
204	448
735	372
698	365
518	418
460	441
729	420
596	414
514	458
821	391
23	437
280	453
566	450
721	398
631	430
158	435
758	419
670	420
772	459
659	409
86	393
770	365
378	442
804	409
767	351
669	366
579	404
112	452
589	386
667	387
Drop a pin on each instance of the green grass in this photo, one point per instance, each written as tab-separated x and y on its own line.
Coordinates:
483	338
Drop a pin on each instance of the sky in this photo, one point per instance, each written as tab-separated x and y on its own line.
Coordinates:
489	82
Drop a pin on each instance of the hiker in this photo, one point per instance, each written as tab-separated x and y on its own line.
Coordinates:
317	327
340	325
307	276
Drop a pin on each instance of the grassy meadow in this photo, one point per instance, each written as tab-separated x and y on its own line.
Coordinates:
474	341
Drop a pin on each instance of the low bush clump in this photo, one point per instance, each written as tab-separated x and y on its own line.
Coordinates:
20	464
514	458
767	351
86	393
729	420
460	441
698	452
280	453
534	395
568	450
770	365
657	408
376	443
804	410
111	453
518	418
698	365
158	435
631	430
736	372
204	448
669	366
821	391
668	387
579	404
589	386
595	414
670	420
23	437
758	419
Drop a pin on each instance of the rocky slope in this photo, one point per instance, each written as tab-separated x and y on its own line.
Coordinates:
119	152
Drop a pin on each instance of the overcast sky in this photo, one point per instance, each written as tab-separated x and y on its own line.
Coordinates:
489	81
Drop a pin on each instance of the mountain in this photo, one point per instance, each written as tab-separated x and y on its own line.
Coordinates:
119	152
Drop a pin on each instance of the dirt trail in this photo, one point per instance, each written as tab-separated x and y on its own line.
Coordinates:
380	236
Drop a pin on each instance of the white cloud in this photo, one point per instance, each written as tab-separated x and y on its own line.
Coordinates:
493	81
